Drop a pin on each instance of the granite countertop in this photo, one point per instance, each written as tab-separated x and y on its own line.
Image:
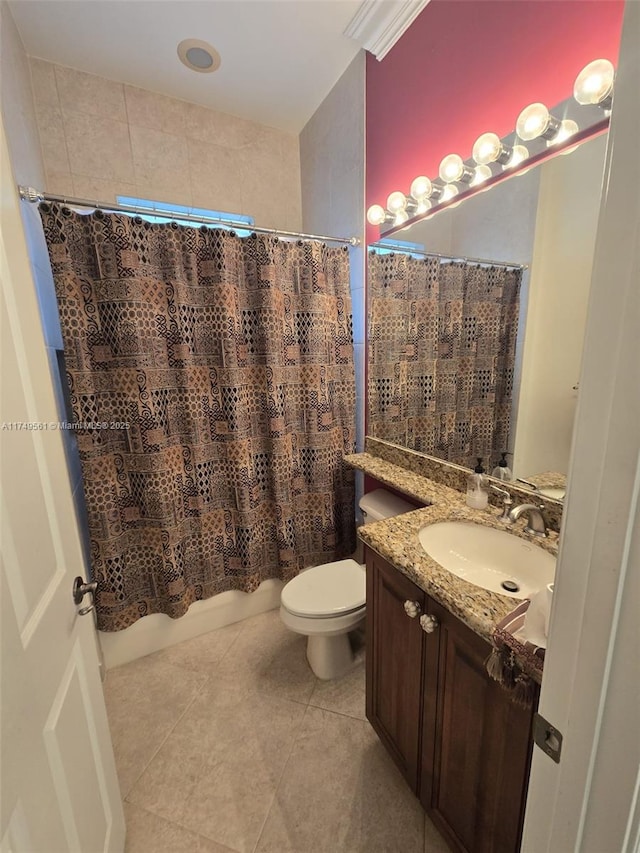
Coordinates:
548	484
549	480
396	539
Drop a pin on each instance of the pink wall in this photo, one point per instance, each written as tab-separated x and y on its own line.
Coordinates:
468	66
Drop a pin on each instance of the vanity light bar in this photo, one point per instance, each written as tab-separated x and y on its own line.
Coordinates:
492	156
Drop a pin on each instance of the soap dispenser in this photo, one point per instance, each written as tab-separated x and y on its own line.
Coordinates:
477	488
502	470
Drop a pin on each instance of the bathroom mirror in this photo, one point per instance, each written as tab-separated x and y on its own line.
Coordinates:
544	219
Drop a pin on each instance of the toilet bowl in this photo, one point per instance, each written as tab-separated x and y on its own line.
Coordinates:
328	602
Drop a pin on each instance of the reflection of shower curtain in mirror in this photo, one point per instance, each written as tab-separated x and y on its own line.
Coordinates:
230	360
442	340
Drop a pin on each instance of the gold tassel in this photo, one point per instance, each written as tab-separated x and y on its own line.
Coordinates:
508	671
523	691
495	665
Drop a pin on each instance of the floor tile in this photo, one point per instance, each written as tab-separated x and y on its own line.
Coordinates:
148	833
345	695
341	792
144	701
218	771
203	653
433	841
270	658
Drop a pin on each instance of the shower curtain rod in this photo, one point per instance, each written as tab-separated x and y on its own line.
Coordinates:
406	250
33	196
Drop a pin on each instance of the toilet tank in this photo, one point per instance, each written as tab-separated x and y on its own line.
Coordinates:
380	504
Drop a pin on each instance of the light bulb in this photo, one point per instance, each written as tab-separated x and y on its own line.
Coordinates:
481	174
423	207
452	168
401	217
519	155
376	214
568	128
396	201
594	84
421	188
448	192
489	148
535	121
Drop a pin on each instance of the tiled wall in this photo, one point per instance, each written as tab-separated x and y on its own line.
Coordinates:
101	138
17	104
332	178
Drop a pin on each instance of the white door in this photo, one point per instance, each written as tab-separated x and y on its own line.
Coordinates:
590	801
59	786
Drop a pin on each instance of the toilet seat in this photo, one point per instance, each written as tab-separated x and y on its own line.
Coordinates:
329	590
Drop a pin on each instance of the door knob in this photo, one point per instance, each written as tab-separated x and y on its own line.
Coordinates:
428	623
80	589
411	608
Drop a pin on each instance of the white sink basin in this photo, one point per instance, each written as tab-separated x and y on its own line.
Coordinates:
556	494
488	557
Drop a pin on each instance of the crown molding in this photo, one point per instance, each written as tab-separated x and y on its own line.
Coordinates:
378	24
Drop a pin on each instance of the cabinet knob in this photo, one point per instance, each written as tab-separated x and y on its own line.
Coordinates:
428	623
411	608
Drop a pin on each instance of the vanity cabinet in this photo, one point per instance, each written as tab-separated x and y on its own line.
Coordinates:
462	744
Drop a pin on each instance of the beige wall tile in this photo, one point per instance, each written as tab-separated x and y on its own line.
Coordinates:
332	158
154	111
161	164
291	189
99	189
269	192
177	194
106	139
217	128
17	105
215	177
87	93
268	139
99	147
52	138
43	80
290	149
60	183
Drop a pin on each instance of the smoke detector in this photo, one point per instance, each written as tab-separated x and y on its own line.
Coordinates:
199	55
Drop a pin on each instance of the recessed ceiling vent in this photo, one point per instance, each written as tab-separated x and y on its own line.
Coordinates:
199	55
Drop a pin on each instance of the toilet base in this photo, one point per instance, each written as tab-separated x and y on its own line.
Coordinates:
329	656
329	651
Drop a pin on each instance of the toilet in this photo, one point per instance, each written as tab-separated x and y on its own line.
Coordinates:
327	602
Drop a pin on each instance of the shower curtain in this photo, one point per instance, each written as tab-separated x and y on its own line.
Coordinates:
442	340
212	385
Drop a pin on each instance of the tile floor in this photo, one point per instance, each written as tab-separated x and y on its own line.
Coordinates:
228	742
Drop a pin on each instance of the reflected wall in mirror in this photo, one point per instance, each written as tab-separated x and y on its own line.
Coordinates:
459	367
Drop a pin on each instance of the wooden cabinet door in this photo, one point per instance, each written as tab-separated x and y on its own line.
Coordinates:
394	663
476	745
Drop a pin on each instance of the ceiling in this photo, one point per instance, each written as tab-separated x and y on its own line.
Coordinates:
280	58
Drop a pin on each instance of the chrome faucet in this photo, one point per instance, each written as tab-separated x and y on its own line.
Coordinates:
536	523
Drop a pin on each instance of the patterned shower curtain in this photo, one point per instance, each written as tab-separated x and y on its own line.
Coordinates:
442	341
212	385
